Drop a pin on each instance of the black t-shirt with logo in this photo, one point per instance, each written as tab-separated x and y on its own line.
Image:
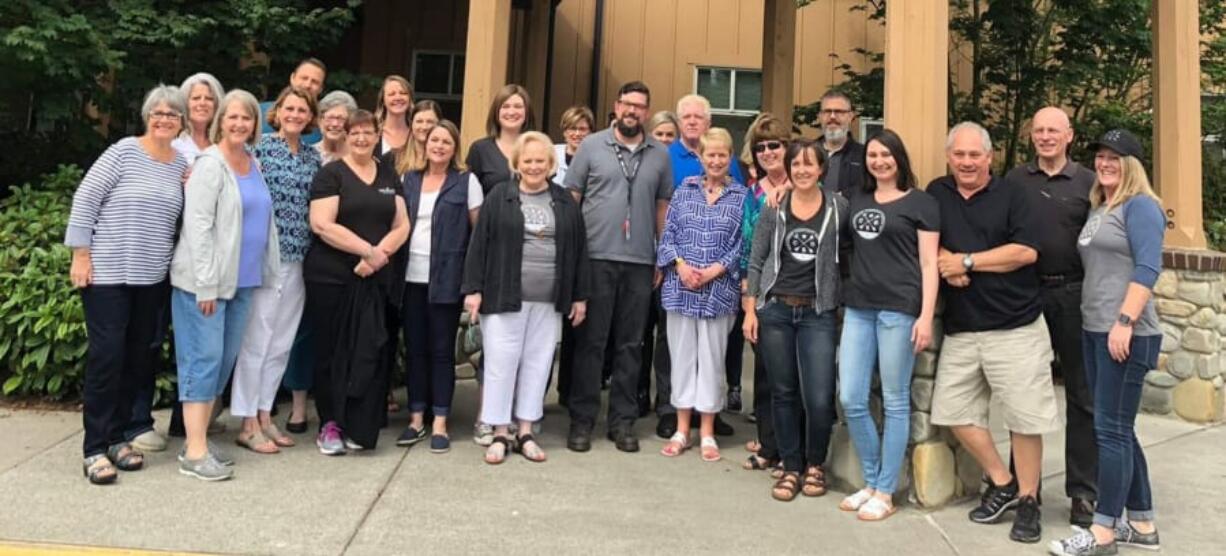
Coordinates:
366	210
797	266
885	266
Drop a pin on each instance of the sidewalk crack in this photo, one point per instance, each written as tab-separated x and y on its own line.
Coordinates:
944	536
371	507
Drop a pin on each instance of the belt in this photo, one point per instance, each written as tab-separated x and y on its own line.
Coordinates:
795	300
1059	279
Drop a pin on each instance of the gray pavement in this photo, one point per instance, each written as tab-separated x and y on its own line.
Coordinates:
396	501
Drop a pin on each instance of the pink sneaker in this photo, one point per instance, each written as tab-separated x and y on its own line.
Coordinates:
329	440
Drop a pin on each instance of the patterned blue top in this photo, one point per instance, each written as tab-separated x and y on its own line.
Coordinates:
703	235
289	178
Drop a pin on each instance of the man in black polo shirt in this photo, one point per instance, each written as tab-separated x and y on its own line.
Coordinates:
996	341
1060	191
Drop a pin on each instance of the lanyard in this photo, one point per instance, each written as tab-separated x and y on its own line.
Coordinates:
629	172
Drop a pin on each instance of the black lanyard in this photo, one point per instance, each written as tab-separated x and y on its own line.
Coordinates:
629	172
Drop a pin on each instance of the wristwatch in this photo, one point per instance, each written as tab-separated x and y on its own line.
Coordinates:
967	262
1125	320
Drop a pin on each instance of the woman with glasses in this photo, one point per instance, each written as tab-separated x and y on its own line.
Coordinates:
334	110
577	123
131	196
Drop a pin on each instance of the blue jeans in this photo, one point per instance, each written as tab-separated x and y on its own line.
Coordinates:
1123	475
798	345
206	348
877	339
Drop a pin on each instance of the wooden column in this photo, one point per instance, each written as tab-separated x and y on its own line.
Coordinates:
1177	142
536	55
916	81
485	65
779	58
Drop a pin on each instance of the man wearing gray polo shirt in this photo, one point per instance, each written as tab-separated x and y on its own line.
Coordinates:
623	181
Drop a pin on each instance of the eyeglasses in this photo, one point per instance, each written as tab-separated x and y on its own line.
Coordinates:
361	133
340	119
163	115
834	112
635	105
767	146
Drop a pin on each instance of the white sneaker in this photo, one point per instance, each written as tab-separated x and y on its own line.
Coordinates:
483	434
149	441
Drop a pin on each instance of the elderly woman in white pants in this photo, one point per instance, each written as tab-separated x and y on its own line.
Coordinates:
526	266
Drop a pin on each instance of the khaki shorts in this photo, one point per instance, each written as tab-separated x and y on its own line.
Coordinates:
1012	365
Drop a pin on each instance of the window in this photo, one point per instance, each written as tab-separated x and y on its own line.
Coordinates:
869	127
735	96
439	75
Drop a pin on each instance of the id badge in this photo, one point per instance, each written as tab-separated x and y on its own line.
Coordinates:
626	228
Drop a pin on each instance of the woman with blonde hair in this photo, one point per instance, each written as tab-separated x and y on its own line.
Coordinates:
393	109
527	266
577	123
203	93
664	127
412	155
1121	250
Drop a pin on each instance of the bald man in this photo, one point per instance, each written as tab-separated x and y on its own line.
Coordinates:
1060	191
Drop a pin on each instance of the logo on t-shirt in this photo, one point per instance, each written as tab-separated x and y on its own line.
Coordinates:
387	190
868	223
535	219
1091	228
801	244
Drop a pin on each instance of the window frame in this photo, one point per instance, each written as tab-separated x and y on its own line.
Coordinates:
732	84
451	74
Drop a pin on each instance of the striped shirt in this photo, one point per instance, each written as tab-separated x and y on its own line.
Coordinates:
126	212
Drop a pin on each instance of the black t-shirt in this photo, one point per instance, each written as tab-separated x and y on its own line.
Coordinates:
366	210
885	265
998	214
798	255
488	163
1062	203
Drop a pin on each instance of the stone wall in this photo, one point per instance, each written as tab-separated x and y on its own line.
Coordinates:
1191	372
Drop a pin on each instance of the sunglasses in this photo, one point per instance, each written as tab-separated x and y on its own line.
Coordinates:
767	145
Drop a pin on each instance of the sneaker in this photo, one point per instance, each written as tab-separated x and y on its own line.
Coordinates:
483	434
1081	512
411	436
1082	543
734	404
205	469
1027	526
1128	535
217	454
329	440
995	501
149	441
353	446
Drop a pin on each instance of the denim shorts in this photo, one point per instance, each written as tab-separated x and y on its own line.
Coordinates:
206	348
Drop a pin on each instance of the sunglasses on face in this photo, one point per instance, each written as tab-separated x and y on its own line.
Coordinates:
767	146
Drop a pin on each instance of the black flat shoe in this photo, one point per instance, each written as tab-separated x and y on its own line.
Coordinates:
296	428
579	439
1081	513
667	426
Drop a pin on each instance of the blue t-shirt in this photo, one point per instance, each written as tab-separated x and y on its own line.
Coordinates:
265	129
257	210
686	163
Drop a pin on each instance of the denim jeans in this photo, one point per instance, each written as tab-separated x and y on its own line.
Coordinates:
798	345
429	339
874	339
1123	475
206	348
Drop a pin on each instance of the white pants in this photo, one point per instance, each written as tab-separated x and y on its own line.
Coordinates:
275	312
518	351
696	348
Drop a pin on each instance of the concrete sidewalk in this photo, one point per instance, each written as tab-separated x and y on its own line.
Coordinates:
396	501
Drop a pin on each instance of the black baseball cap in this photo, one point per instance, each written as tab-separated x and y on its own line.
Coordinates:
1122	142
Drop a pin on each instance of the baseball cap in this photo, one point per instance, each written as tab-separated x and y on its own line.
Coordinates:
1122	142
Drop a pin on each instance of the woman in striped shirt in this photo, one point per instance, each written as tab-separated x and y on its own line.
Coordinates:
122	231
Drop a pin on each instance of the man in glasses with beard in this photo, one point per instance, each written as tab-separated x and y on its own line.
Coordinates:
844	170
623	181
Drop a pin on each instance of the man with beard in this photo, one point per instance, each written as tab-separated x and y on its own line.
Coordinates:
1060	192
844	170
622	178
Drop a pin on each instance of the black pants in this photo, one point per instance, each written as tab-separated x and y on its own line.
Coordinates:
736	350
1062	310
762	408
323	302
429	338
660	363
616	312
121	323
142	402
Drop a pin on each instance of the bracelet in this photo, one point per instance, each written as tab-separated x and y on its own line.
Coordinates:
679	261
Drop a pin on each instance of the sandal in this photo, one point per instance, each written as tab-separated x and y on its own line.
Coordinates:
526	445
753	446
496	453
277	437
99	470
876	509
676	445
125	457
814	481
758	463
786	487
710	449
776	471
257	442
855	501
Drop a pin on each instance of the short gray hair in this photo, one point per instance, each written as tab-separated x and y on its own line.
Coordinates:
249	103
203	78
984	136
692	98
169	95
337	98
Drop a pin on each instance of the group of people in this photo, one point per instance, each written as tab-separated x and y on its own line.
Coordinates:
651	249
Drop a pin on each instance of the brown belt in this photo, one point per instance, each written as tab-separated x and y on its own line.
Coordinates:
795	300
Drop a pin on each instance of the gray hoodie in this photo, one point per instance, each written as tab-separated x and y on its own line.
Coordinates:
768	242
206	259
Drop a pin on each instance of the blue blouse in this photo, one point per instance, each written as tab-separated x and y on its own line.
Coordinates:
703	235
289	178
